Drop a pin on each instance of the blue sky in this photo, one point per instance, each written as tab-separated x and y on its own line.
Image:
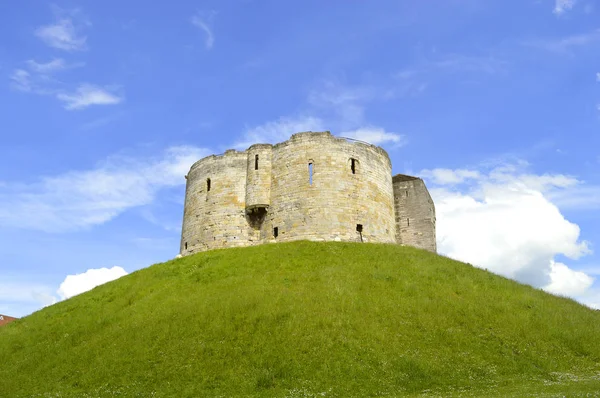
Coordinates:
105	105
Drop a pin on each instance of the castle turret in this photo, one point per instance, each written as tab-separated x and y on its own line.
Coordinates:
415	213
258	177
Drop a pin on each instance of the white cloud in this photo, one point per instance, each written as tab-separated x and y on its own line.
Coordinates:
55	65
502	220
333	105
415	79
567	282
79	283
448	176
598	77
345	103
51	66
21	80
375	136
39	81
561	6
80	199
87	95
66	33
202	22
278	130
591	298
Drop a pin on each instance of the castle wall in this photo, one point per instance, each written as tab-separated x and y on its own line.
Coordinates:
337	200
415	213
216	218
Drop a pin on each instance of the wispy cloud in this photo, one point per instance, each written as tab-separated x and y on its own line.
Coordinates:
561	6
376	136
565	44
454	63
102	121
66	32
81	199
345	103
87	95
415	79
83	96
278	130
203	21
331	106
21	80
20	298
598	77
55	65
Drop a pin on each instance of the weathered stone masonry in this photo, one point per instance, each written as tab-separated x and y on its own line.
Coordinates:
313	186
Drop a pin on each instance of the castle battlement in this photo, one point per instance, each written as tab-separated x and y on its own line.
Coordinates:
313	186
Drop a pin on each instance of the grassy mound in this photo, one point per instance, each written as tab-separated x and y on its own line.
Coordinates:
305	319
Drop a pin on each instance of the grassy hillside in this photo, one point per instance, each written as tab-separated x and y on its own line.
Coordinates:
305	320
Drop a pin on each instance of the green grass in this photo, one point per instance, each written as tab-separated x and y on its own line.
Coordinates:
305	319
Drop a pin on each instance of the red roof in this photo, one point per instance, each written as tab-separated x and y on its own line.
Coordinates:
4	319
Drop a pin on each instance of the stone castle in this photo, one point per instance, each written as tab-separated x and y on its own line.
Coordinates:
313	186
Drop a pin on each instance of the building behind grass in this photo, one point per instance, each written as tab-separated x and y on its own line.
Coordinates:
4	319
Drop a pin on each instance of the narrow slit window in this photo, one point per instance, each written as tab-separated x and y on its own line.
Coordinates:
310	173
353	165
408	222
207	184
275	232
255	162
406	194
185	245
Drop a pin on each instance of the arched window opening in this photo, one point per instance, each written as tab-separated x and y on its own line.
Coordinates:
310	173
255	162
207	184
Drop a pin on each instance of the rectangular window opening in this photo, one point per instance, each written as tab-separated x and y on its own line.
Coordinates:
310	173
207	184
353	165
185	245
359	228
275	232
255	162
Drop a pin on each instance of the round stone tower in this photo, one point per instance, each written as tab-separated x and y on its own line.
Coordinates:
313	186
328	188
